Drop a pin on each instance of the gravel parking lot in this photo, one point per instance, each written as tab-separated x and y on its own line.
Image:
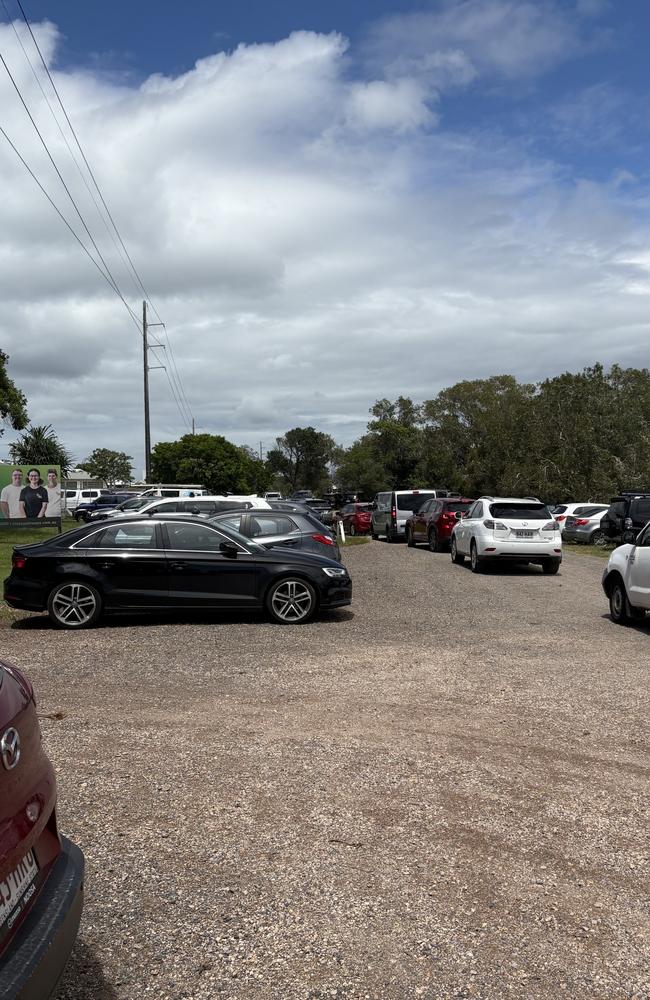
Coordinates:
439	792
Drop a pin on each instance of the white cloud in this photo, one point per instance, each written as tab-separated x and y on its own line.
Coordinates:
313	240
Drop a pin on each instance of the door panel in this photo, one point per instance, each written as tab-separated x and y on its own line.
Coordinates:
130	564
200	575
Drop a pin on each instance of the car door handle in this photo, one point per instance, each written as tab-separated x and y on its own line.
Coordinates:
177	565
109	564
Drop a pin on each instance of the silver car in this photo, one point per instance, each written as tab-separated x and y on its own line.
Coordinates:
583	525
288	529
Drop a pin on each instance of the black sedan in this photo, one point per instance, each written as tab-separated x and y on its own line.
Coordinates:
297	530
168	563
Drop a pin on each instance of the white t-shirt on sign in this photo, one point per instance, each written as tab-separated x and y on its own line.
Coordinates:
53	508
11	495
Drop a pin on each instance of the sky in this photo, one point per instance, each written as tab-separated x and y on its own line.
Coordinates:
327	204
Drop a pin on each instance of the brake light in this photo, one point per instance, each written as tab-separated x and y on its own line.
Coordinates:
495	525
581	520
393	513
323	539
560	517
18	562
551	526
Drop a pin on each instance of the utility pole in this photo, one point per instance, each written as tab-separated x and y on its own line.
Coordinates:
147	368
147	425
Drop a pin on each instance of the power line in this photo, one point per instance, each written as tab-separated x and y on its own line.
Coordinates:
176	373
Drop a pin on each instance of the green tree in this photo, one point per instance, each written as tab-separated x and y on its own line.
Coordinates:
110	466
13	404
396	438
359	468
40	446
209	459
301	459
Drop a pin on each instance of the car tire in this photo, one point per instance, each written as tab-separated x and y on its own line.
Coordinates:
476	562
74	604
374	535
410	541
551	566
456	556
434	544
291	601
618	603
598	538
387	532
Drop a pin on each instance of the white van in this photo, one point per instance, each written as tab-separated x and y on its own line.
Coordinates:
71	498
391	509
174	490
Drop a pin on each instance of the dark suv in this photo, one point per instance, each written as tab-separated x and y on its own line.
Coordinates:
41	873
626	515
434	521
84	511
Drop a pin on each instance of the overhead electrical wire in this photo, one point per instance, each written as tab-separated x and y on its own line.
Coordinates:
178	392
175	372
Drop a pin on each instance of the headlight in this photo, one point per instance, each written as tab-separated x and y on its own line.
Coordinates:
331	571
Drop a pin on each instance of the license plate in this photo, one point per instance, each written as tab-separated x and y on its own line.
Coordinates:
525	534
15	891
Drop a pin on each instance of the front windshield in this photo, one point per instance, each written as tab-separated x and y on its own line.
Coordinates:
135	504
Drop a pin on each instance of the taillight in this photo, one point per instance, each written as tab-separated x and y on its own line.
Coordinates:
551	526
560	517
18	562
495	525
393	513
581	520
323	539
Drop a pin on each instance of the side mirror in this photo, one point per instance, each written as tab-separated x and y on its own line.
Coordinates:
460	514
228	550
374	505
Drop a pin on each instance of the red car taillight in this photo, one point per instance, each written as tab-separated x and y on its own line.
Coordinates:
581	520
323	539
393	513
18	562
560	517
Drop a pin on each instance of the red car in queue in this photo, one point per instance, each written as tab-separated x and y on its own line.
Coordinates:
434	522
41	872
356	518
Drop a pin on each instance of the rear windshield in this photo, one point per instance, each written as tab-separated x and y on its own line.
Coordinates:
454	505
529	511
560	508
412	501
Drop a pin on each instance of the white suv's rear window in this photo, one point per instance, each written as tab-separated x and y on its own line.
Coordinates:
529	512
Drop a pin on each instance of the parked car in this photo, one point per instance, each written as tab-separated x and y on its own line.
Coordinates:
391	509
104	502
434	521
356	518
275	527
74	497
626	579
300	495
206	505
626	515
41	871
584	525
564	510
322	508
168	562
272	495
128	506
507	528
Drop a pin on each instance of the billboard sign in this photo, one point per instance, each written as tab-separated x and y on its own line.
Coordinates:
30	496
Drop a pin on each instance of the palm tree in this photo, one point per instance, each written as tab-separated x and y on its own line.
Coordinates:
40	446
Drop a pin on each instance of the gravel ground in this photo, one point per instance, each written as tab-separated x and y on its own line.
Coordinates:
439	792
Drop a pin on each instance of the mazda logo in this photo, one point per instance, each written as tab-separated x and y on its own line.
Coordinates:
10	748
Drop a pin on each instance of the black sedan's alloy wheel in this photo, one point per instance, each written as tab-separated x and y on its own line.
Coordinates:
74	604
291	601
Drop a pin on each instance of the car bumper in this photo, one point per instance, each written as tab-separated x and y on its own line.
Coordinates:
337	596
519	551
25	595
38	954
579	534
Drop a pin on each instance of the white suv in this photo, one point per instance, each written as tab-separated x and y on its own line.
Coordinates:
518	529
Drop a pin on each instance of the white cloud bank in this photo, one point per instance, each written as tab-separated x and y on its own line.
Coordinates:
312	239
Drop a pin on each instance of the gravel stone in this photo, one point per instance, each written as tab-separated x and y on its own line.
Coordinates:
440	792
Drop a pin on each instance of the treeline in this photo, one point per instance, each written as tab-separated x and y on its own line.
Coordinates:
575	436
